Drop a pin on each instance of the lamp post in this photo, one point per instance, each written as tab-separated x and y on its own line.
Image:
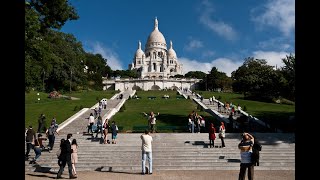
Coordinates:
44	73
70	79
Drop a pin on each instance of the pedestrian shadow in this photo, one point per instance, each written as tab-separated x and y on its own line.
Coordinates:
43	169
198	143
41	175
109	170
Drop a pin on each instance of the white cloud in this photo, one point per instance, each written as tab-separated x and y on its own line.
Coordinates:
277	44
221	28
112	57
193	44
208	53
222	64
279	14
273	58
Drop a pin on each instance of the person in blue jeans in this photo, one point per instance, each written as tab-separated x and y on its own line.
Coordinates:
114	131
245	147
146	151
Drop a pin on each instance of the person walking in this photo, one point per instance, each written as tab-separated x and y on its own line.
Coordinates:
38	145
74	156
65	158
51	131
212	135
146	148
245	147
222	134
114	131
30	137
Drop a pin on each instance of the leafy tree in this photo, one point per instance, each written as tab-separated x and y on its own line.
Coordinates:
217	79
195	74
288	71
256	79
53	14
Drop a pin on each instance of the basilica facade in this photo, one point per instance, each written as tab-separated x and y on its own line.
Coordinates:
156	61
156	67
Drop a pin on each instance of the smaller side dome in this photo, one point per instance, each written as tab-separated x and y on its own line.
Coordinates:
171	52
139	52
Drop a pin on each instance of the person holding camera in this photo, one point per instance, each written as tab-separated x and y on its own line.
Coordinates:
245	147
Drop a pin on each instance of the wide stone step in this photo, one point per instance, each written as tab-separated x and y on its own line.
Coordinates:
137	167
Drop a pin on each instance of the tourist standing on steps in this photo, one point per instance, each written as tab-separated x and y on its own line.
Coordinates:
245	147
74	156
222	134
41	123
65	158
90	123
105	131
30	137
146	151
212	135
114	131
99	127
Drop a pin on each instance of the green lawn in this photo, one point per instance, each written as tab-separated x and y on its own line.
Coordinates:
60	108
275	114
173	111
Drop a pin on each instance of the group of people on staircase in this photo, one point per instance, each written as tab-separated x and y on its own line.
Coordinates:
99	127
36	141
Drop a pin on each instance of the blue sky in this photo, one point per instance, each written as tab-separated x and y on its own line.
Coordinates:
204	33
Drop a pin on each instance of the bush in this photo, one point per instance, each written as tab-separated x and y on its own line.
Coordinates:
244	108
219	98
123	108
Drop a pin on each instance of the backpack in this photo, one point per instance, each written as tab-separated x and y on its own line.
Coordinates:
255	155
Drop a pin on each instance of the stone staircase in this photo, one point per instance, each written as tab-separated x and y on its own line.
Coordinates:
171	151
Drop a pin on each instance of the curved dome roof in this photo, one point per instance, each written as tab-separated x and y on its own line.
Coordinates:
156	36
171	52
139	52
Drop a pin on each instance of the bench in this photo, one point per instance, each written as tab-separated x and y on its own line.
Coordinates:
180	97
139	128
152	97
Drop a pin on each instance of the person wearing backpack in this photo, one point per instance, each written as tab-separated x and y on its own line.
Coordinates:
51	131
114	132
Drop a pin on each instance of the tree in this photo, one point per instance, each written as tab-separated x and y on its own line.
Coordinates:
195	74
216	79
53	14
288	71
256	79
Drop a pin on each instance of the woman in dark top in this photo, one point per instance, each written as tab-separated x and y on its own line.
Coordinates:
212	135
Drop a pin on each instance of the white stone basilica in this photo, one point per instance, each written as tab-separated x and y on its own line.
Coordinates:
156	68
156	62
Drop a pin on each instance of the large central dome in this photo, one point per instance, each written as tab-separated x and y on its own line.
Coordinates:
156	38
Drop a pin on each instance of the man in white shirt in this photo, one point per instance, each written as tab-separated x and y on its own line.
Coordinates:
146	151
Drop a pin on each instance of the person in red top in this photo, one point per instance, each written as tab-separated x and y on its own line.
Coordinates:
212	134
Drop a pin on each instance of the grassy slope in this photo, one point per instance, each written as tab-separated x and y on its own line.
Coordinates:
61	108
